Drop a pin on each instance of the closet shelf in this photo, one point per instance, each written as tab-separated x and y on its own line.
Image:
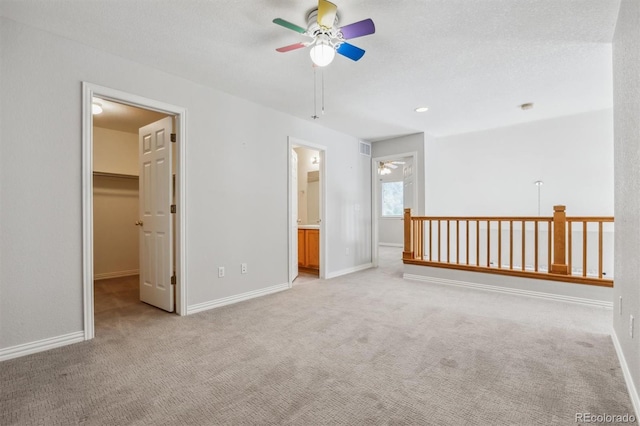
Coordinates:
115	175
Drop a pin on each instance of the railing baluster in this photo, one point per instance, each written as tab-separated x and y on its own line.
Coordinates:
499	244
467	245
600	249
535	238
549	246
457	241
439	244
448	241
523	246
570	246
477	243
430	240
584	248
421	238
488	244
510	244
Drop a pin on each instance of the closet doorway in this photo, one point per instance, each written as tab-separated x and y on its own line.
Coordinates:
133	186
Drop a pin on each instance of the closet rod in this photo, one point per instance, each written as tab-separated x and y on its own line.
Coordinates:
115	175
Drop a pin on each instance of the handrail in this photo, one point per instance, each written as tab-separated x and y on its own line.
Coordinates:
420	236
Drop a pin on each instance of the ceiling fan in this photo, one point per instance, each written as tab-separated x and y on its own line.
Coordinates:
326	37
385	167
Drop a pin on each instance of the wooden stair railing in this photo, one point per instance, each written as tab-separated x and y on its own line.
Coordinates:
559	248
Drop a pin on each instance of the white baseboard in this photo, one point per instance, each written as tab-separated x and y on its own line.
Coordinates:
41	345
633	391
117	274
391	245
498	289
199	307
349	270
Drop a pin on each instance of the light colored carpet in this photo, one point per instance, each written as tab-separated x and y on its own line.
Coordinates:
367	348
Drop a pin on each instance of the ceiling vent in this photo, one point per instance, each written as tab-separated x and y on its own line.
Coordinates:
365	149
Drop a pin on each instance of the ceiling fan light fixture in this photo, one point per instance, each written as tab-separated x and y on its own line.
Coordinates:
322	53
96	108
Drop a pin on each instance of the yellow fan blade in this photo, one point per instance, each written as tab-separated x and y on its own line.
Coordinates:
326	13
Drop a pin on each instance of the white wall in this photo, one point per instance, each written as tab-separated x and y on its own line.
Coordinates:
493	172
232	145
401	145
626	97
115	204
115	237
115	151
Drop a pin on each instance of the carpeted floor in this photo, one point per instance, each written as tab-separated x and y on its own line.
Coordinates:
367	348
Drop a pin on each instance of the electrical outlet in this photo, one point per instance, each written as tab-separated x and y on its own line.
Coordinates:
243	268
631	326
220	271
620	305
347	251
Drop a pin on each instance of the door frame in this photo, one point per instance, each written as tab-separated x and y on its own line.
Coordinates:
375	196
89	90
295	143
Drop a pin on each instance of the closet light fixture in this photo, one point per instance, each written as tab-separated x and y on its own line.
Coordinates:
315	160
96	108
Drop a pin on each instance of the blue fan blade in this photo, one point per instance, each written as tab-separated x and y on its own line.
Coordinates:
350	51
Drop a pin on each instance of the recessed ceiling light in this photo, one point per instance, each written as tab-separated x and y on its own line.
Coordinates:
528	105
96	108
422	109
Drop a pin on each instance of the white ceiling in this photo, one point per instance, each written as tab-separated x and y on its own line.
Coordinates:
124	118
472	62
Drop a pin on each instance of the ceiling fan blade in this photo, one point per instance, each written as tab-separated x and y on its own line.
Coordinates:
350	51
289	25
291	47
358	29
326	13
393	166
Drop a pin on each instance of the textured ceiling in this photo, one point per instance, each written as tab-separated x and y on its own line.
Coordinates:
471	62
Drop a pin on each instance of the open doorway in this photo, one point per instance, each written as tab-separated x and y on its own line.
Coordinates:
117	222
394	189
307	207
133	203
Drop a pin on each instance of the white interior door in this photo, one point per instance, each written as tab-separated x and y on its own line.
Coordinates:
155	214
293	170
407	191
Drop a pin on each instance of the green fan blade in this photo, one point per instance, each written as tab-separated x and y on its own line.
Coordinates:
289	25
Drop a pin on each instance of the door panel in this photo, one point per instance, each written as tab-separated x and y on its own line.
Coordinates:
155	214
293	171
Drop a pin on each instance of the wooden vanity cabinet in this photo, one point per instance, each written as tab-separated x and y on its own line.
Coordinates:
309	250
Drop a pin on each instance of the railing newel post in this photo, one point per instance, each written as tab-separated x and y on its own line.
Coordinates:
408	244
559	265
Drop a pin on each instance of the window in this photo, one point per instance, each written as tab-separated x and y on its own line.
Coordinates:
392	204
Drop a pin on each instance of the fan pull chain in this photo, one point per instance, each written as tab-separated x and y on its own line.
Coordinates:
315	96
322	76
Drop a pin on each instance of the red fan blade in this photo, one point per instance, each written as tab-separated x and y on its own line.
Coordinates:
291	47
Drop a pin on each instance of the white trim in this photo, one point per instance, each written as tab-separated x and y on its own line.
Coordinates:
375	189
633	391
506	290
88	91
41	345
199	307
350	270
293	142
116	274
391	245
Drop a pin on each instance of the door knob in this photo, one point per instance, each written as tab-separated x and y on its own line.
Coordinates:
139	223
